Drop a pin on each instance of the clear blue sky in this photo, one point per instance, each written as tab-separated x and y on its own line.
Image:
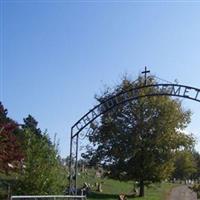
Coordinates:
56	55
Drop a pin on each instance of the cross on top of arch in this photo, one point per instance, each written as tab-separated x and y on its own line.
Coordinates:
145	72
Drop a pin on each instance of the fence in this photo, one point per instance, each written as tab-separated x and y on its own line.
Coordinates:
49	197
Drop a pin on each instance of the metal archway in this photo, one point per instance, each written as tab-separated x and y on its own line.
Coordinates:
174	90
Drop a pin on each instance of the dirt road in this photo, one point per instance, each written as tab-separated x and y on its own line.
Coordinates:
182	193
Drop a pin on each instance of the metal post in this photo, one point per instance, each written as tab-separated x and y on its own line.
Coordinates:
70	164
9	191
76	164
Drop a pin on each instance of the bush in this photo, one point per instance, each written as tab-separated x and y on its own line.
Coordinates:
196	188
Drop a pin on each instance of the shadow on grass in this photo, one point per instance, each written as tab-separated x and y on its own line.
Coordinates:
96	195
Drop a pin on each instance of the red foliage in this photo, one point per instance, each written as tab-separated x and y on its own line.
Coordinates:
10	150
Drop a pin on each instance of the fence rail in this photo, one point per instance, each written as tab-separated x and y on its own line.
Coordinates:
49	197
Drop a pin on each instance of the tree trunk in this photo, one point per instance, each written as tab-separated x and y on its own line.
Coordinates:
141	194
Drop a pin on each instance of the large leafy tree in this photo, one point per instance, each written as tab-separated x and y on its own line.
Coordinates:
137	140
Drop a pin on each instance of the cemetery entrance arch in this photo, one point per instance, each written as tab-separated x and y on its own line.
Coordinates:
174	90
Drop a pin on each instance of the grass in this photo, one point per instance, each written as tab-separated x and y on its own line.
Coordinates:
154	192
111	188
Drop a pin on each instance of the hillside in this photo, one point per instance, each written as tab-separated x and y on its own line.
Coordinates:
110	188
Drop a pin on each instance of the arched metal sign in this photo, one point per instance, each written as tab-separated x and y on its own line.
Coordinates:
174	90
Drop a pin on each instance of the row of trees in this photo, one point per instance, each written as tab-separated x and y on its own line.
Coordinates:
29	157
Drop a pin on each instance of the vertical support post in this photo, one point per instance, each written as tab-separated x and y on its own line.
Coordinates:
76	164
70	165
9	191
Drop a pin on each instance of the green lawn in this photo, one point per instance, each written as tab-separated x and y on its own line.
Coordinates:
112	188
111	191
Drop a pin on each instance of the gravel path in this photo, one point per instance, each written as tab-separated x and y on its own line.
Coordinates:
182	193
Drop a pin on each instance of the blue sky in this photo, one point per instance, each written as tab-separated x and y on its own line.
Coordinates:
56	55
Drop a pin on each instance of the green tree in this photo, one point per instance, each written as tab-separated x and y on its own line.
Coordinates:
196	156
138	140
185	165
42	172
31	123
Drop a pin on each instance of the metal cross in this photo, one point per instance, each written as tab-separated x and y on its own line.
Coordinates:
145	72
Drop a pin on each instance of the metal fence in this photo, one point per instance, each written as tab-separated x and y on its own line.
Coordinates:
49	197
